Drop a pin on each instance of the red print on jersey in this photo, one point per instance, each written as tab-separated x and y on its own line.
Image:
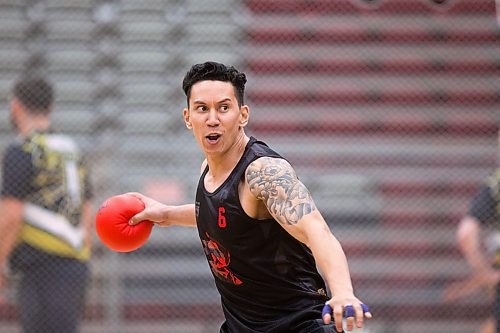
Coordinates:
219	260
222	219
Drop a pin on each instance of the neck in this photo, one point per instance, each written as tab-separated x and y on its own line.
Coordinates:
221	164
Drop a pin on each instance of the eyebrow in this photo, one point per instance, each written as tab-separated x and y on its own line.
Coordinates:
199	101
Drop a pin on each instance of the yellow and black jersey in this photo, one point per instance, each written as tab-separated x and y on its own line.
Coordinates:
45	170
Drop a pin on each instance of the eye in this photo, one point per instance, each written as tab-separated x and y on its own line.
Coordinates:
201	108
224	108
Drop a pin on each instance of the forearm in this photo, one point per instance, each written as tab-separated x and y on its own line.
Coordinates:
8	240
331	261
183	215
10	226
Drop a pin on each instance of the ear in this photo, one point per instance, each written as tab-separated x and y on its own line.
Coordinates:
244	115
17	108
15	105
187	121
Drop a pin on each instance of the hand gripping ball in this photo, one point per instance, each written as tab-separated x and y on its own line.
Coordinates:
112	223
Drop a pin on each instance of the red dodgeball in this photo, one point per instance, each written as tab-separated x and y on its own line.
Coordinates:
112	223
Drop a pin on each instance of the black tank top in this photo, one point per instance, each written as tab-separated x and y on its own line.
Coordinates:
267	279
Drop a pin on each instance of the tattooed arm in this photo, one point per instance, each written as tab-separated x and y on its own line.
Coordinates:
274	182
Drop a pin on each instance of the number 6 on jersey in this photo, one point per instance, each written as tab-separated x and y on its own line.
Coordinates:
222	218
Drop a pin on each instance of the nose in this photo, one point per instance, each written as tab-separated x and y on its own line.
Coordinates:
213	118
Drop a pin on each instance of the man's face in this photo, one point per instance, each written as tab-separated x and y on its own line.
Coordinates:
214	115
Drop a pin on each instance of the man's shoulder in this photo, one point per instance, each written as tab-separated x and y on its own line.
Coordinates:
268	161
268	167
41	143
14	149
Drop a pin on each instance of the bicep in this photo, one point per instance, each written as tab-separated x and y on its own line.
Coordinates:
274	182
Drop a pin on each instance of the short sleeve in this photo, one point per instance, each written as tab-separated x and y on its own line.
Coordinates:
17	173
483	205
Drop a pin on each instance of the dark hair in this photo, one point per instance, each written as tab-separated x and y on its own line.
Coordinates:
36	94
217	72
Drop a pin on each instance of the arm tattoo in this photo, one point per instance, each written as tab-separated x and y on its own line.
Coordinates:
274	181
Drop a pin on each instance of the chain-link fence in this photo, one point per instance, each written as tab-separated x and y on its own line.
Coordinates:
388	110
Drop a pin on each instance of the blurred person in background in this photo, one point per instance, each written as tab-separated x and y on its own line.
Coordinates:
261	232
47	215
484	210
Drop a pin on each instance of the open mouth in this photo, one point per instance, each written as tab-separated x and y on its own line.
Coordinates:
213	138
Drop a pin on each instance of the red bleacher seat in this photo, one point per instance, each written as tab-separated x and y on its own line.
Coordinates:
422	218
352	6
336	161
172	311
415	65
400	187
356	33
434	311
402	96
91	313
388	126
399	249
